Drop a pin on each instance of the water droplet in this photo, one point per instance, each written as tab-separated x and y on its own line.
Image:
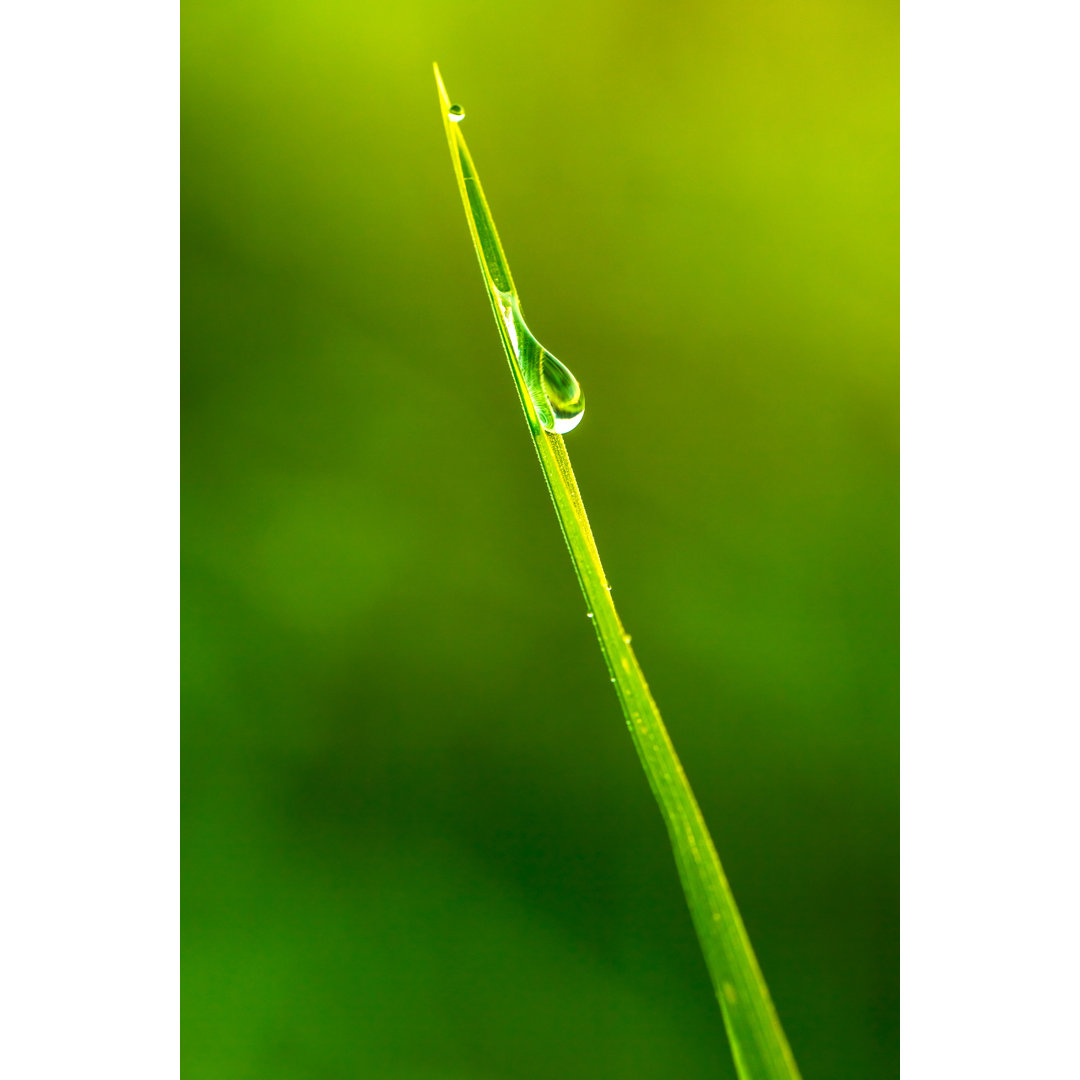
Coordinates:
588	615
556	394
626	638
563	393
456	113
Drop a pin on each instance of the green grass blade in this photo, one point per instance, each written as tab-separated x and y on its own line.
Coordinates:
553	405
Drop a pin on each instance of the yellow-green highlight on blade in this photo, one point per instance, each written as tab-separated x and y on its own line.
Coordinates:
759	1047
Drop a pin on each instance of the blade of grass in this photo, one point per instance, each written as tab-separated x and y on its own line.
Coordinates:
758	1044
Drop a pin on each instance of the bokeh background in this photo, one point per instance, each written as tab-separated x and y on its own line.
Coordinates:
418	844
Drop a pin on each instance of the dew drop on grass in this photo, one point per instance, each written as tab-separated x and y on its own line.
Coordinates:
456	113
563	394
557	395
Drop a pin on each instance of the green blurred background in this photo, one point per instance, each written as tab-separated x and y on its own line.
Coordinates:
418	844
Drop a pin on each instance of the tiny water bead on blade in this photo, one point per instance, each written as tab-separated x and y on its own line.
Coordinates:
456	113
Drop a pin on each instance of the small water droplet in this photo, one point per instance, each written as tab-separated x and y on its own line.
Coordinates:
588	615
456	113
626	638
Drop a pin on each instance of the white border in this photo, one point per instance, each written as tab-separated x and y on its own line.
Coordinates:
89	329
990	539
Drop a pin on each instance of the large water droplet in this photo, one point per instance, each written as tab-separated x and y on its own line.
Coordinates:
563	394
456	113
556	394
